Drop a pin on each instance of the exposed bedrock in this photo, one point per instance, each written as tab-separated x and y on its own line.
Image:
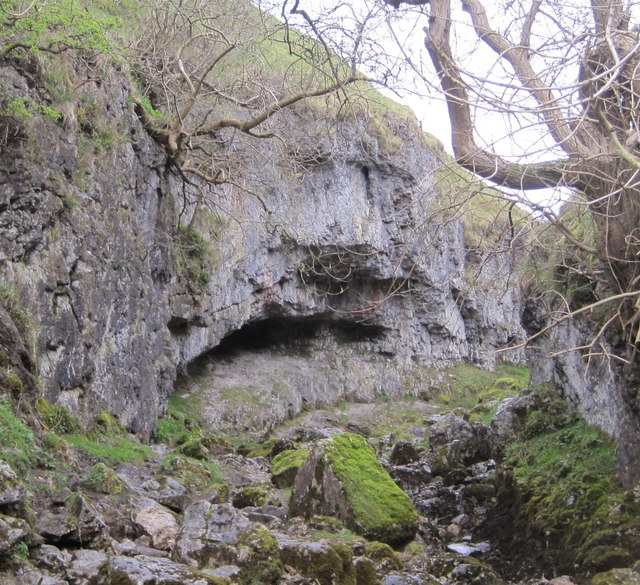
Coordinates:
349	253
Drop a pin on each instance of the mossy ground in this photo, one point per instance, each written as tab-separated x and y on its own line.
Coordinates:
562	494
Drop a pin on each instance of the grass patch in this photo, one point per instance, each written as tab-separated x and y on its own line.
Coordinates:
114	450
470	387
17	446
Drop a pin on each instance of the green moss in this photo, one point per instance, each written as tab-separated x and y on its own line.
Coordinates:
13	383
172	431
469	387
12	303
381	510
192	473
285	466
328	563
382	553
56	418
263	565
195	449
618	577
568	498
107	426
250	496
102	478
264	449
194	257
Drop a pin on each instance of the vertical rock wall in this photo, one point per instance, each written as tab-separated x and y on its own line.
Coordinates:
89	208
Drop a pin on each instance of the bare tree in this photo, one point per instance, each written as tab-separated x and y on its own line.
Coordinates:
565	75
211	71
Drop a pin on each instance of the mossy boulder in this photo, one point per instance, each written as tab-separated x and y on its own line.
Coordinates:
252	496
285	466
383	556
342	477
618	577
263	564
194	449
101	478
329	563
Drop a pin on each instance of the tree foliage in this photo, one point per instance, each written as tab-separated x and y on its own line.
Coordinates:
53	27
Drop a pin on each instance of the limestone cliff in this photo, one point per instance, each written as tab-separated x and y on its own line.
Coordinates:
330	240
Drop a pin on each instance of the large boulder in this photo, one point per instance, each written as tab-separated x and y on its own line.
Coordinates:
343	478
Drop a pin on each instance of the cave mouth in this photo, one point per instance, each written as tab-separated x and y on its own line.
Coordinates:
296	335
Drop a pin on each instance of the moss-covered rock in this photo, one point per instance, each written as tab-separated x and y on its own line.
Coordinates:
191	473
327	562
618	577
250	496
285	466
194	449
343	478
262	565
56	418
559	492
101	478
383	556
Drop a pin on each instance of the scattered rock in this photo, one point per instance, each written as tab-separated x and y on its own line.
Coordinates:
142	570
206	533
467	549
85	566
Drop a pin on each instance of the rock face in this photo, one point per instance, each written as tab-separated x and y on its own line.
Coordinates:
598	387
347	257
343	478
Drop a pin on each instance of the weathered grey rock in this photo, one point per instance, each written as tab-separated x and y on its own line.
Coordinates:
52	558
142	570
86	566
160	525
509	418
600	388
457	443
77	523
12	531
225	572
11	490
95	258
207	530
